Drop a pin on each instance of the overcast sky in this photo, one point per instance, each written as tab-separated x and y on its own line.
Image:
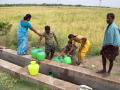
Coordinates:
110	3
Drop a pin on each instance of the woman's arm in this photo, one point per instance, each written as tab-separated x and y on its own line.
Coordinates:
83	41
39	34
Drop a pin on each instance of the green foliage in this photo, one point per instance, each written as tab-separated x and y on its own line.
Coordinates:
95	49
4	28
88	22
12	42
7	81
44	4
27	85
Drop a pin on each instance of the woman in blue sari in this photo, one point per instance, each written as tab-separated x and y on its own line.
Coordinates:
22	34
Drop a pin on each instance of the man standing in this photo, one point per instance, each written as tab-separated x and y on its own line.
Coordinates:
111	43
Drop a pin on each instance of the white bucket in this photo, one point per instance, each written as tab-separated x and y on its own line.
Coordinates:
84	87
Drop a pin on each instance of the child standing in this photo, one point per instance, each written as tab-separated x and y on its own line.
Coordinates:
50	39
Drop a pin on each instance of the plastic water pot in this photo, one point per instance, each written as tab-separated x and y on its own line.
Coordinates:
34	52
67	60
85	87
58	59
33	68
41	56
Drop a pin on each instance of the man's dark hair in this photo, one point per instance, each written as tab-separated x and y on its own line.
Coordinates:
47	27
27	16
111	15
71	36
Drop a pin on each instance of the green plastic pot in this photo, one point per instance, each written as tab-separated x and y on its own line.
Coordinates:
34	52
67	60
58	59
41	56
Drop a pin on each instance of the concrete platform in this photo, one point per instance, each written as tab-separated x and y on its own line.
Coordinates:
74	74
50	82
11	56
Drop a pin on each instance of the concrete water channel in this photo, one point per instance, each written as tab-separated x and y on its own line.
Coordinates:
66	77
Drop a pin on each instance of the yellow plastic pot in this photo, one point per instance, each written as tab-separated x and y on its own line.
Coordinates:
33	68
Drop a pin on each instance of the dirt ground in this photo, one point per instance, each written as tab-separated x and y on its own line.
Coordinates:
95	64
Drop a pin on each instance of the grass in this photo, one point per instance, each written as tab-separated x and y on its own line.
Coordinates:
8	82
89	22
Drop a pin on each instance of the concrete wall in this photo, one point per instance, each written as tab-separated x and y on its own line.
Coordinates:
11	56
69	73
44	80
80	75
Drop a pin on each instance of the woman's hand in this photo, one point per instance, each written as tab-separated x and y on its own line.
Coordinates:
39	34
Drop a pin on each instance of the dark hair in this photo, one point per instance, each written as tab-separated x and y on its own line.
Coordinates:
27	16
69	42
111	15
47	27
71	36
